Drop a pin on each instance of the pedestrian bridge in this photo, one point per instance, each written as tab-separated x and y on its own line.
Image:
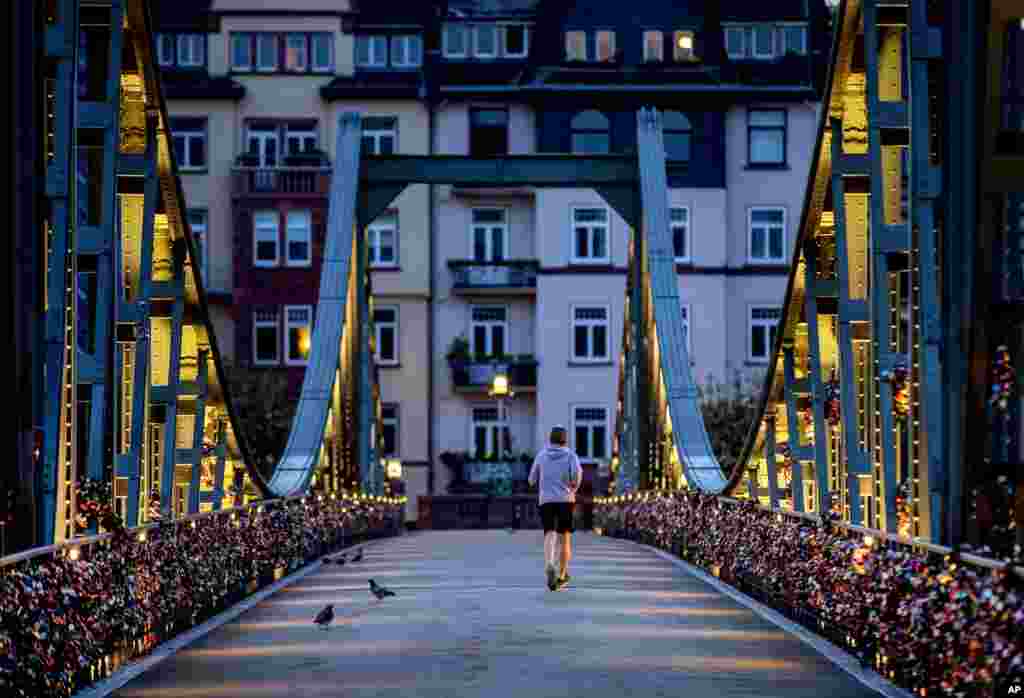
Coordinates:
472	617
891	400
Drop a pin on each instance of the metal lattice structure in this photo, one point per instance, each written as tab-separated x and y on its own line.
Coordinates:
125	310
879	301
878	311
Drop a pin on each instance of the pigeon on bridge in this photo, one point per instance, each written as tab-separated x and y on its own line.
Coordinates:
379	591
325	616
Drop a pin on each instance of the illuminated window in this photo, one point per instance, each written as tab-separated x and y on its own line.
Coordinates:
683	46
299	333
605	46
654	47
575	46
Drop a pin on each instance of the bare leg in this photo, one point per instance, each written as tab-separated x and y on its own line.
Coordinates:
550	541
566	553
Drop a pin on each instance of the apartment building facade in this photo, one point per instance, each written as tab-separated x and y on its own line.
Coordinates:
471	283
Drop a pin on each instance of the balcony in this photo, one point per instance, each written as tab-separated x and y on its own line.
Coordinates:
299	176
477	375
506	277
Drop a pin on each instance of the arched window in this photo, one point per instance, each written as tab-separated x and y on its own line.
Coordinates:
678	131
590	133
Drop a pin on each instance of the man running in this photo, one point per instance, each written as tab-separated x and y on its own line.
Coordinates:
558	470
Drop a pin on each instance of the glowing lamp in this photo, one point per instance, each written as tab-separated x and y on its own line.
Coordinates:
686	42
394	468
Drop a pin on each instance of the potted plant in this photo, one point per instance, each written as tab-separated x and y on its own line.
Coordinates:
455	462
458	359
307	158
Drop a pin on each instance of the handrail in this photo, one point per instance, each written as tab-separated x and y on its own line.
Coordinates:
86	541
916	544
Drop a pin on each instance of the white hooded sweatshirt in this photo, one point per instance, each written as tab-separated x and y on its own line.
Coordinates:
559	472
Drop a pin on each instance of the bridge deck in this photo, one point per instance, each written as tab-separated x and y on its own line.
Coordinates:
472	618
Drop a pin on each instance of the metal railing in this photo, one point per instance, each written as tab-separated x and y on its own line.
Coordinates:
291	179
522	373
502	274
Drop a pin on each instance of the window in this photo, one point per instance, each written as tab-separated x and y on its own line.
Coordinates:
189	137
488	328
685	316
406	51
679	222
490	235
385	333
590	133
454	40
683	46
241	51
590	236
165	49
605	46
382	241
266	52
794	39
654	48
767	235
263	144
371	51
490	432
766	137
677	132
488	132
379	135
763	326
764	41
296	53
590	333
516	42
389	418
265	340
197	223
322	52
298	320
266	234
575	46
300	138
485	41
299	239
590	432
191	50
735	44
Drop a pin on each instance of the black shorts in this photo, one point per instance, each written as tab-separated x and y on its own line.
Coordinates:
557	516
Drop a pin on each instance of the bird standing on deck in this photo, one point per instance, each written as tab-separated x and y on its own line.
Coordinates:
379	591
324	617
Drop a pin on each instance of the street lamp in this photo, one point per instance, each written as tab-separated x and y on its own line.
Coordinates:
501	389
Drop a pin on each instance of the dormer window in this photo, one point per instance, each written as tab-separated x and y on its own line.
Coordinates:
371	51
654	47
683	45
735	42
575	46
764	41
454	40
485	41
516	45
406	51
181	50
794	39
605	46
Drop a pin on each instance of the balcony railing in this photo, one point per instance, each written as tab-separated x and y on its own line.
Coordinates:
471	376
292	179
505	276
